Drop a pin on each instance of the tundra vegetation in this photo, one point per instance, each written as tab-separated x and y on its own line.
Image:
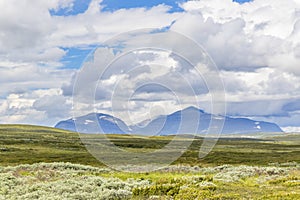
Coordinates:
47	163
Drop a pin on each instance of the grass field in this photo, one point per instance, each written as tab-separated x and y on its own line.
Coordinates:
21	144
47	163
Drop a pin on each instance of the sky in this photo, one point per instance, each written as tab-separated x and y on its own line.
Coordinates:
44	44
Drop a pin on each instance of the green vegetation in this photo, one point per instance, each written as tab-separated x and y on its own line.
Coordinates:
20	144
73	181
47	163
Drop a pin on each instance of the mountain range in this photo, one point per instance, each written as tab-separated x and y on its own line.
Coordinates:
180	122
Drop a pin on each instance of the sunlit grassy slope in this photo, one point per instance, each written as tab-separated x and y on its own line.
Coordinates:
24	144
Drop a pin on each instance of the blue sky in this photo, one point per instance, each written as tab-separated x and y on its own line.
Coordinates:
111	5
79	7
75	56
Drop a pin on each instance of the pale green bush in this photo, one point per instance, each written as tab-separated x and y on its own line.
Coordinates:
233	174
60	166
72	181
62	181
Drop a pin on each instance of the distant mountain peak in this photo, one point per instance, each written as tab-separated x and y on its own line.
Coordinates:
179	122
94	123
193	108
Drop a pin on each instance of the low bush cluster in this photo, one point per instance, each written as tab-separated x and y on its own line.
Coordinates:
62	181
73	181
234	174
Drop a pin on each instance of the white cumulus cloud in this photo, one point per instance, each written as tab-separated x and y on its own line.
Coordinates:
256	46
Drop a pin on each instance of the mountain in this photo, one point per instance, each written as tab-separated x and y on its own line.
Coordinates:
90	124
188	118
183	121
180	122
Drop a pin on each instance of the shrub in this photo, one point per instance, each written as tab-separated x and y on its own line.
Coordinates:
190	193
207	186
62	181
233	174
157	189
282	195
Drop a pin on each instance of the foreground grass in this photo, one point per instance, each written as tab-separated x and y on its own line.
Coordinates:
73	181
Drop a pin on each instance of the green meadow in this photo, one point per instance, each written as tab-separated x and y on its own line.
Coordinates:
46	163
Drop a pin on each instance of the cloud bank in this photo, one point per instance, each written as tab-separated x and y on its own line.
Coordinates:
256	46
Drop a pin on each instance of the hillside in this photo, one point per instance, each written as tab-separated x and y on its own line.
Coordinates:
21	144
